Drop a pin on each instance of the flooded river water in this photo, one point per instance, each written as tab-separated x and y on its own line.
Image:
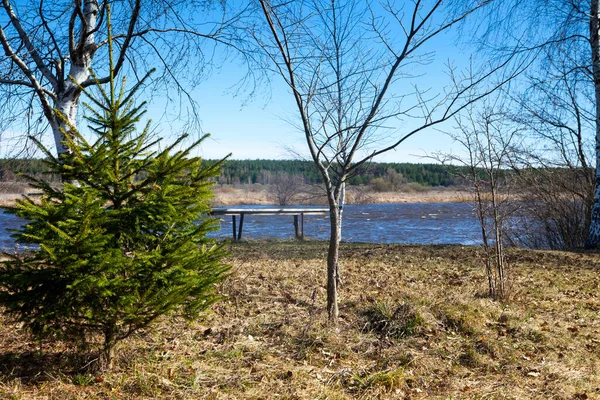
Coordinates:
415	223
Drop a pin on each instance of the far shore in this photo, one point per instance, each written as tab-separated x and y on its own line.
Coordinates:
227	195
255	195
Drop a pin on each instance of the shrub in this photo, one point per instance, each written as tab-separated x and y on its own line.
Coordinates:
380	185
415	187
556	208
393	322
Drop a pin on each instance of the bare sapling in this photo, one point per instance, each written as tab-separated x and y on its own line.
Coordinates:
487	138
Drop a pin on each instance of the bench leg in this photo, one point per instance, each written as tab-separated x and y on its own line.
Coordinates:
239	236
296	227
234	226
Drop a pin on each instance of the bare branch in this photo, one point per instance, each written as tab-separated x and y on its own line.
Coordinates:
27	42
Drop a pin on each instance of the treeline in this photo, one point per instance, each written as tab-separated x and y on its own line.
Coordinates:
265	171
424	174
12	168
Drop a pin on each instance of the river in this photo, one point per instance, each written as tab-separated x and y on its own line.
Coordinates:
414	223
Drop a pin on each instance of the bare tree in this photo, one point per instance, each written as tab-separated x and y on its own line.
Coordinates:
286	187
552	207
350	67
390	181
554	170
487	138
568	32
50	46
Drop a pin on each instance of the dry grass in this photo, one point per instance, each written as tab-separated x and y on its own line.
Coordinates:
13	187
11	191
226	195
427	196
259	194
414	324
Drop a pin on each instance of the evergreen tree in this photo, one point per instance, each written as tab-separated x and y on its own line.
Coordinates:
123	241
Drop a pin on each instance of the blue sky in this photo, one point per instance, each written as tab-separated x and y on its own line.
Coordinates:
261	129
262	126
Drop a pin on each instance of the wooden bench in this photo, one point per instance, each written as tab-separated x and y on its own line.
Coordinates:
297	212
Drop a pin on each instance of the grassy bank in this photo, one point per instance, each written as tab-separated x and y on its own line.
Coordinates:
258	194
415	323
227	195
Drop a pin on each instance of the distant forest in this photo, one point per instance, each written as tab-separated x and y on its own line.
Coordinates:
264	172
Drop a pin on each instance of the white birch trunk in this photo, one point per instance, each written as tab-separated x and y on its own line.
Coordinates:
66	104
593	239
68	94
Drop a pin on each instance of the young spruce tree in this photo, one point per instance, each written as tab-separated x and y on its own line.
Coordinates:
122	242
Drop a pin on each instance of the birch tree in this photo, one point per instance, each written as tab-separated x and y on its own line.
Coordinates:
49	47
555	169
353	69
593	239
565	34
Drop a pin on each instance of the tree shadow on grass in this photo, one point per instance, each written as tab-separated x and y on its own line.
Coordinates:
36	366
